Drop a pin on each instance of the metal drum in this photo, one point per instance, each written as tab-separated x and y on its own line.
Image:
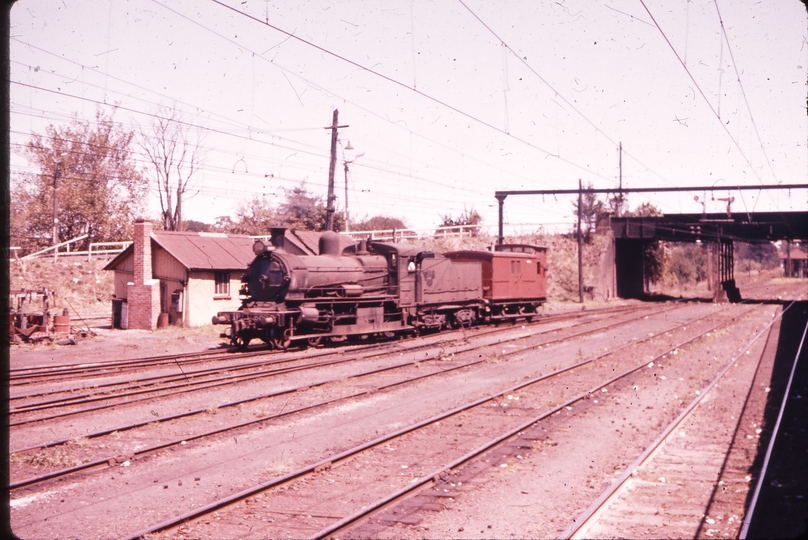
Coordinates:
61	324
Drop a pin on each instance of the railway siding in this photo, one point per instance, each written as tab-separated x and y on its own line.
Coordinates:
670	493
541	481
510	477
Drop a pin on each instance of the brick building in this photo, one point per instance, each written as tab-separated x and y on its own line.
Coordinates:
185	278
180	278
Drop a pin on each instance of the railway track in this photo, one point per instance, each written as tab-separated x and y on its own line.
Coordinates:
665	490
73	372
374	390
378	389
432	356
427	451
103	395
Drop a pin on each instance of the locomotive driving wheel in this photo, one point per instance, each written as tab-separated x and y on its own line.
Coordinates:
314	341
241	342
282	340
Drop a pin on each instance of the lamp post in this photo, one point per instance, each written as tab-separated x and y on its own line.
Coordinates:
345	163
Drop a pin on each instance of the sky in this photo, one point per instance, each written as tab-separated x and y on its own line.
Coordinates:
446	101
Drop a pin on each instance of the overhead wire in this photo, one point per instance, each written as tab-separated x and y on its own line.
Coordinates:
567	102
743	94
320	154
701	92
395	82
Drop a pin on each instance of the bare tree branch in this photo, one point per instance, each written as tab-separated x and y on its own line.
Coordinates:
175	151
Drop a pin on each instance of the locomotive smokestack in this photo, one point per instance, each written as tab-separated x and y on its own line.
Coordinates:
278	238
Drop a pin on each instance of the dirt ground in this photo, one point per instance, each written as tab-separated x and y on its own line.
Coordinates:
103	344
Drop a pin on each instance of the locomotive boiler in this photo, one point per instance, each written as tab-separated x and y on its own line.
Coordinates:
374	288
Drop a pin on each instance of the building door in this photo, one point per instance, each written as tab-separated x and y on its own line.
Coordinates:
164	299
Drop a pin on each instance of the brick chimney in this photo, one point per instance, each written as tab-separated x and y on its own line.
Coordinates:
143	294
142	245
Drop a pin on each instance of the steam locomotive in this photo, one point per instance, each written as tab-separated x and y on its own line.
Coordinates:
373	287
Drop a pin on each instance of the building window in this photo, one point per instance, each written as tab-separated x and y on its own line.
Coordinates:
222	280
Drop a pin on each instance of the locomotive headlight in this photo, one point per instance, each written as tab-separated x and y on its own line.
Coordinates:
259	247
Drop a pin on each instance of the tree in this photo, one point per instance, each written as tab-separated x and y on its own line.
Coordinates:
253	218
379	223
763	255
688	262
197	226
591	209
646	209
466	218
99	190
305	211
174	151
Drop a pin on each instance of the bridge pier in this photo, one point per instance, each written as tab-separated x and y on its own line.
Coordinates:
723	277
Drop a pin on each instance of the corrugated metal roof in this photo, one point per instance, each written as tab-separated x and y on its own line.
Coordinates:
219	251
207	251
796	253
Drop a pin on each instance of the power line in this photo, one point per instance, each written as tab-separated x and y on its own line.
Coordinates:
743	92
313	153
275	65
556	92
393	81
701	92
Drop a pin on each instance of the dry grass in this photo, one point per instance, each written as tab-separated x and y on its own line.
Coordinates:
261	413
277	469
81	441
81	286
48	457
541	444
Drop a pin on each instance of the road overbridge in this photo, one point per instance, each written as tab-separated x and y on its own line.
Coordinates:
716	232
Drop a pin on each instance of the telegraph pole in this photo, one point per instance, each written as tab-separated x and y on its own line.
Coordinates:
329	207
580	247
347	217
55	206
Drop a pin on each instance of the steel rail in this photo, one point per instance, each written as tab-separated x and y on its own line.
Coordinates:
218	356
388	368
747	520
170	360
583	518
407	429
96	463
75	371
372	508
123	386
237	378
